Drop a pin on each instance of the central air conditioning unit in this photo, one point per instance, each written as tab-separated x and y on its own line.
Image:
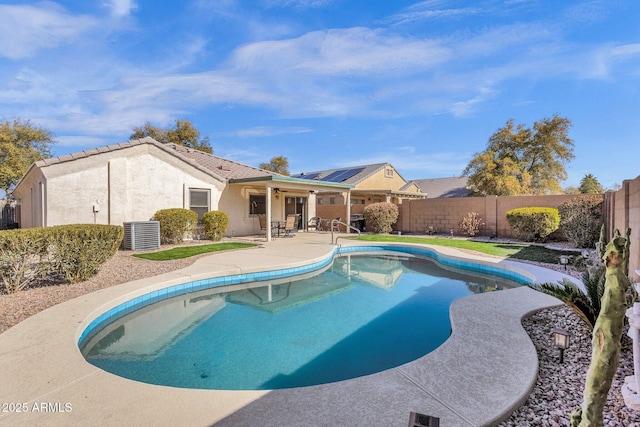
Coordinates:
141	235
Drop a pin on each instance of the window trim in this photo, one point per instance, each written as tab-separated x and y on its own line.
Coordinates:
207	192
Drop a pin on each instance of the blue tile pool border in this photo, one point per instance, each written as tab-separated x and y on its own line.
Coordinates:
155	296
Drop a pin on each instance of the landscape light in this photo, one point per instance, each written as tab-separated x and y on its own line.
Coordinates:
561	341
564	260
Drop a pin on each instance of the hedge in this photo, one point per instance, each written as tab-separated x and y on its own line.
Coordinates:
74	251
533	223
215	224
175	223
380	217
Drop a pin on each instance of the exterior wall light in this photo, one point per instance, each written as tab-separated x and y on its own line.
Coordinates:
561	341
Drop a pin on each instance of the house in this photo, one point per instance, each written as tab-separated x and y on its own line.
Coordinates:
444	187
374	183
130	181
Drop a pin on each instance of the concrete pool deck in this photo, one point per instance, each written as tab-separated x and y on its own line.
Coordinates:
483	372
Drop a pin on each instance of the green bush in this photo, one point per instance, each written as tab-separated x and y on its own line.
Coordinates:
175	223
74	251
470	224
380	217
581	219
215	224
78	251
23	258
533	223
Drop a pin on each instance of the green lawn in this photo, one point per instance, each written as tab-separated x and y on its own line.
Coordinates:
187	251
505	250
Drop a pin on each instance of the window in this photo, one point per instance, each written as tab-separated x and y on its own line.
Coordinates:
199	202
257	204
388	173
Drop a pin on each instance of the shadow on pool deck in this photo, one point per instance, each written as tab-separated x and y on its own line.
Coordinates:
477	377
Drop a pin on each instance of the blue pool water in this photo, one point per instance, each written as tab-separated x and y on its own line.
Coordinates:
361	315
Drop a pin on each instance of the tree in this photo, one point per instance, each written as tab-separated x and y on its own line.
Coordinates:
523	161
21	144
183	133
278	164
571	190
590	185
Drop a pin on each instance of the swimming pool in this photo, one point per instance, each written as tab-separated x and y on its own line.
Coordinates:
362	314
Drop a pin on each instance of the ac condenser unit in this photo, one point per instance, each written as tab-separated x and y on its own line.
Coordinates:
141	235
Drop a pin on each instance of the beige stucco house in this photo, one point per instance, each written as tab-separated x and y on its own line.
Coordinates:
374	183
130	181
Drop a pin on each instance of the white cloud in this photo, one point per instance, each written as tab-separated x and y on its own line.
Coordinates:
26	29
429	10
298	4
265	131
352	51
121	8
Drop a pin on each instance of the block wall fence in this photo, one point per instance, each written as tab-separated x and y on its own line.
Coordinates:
444	214
622	211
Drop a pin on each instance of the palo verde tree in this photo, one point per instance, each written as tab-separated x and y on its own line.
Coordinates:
183	133
21	144
278	164
523	161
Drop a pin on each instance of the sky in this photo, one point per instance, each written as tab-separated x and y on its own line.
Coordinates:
331	83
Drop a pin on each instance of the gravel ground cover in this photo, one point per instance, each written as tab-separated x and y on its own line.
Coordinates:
556	393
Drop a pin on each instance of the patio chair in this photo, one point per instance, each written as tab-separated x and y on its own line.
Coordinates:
314	223
290	225
335	226
262	220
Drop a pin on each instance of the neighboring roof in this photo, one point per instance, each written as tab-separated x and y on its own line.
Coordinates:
443	187
347	175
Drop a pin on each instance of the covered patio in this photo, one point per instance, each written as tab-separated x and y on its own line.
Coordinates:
277	196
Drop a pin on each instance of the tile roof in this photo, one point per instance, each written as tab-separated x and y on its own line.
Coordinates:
443	187
218	167
228	169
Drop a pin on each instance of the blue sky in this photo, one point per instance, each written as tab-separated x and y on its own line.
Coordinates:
331	83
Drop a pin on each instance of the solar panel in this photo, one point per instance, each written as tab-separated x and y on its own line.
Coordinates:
309	176
341	175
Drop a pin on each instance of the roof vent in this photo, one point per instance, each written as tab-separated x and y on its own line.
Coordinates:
421	420
224	168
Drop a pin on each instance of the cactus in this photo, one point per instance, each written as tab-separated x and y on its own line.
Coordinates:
607	334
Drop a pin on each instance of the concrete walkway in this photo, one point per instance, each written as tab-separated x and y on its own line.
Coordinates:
478	377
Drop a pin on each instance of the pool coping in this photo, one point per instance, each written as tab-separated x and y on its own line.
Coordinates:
477	377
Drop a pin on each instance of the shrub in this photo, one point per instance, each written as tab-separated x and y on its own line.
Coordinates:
175	223
23	258
585	304
470	224
580	220
215	224
78	251
74	251
533	223
379	217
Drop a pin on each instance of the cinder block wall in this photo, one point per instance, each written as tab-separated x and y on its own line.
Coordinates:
445	214
622	212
